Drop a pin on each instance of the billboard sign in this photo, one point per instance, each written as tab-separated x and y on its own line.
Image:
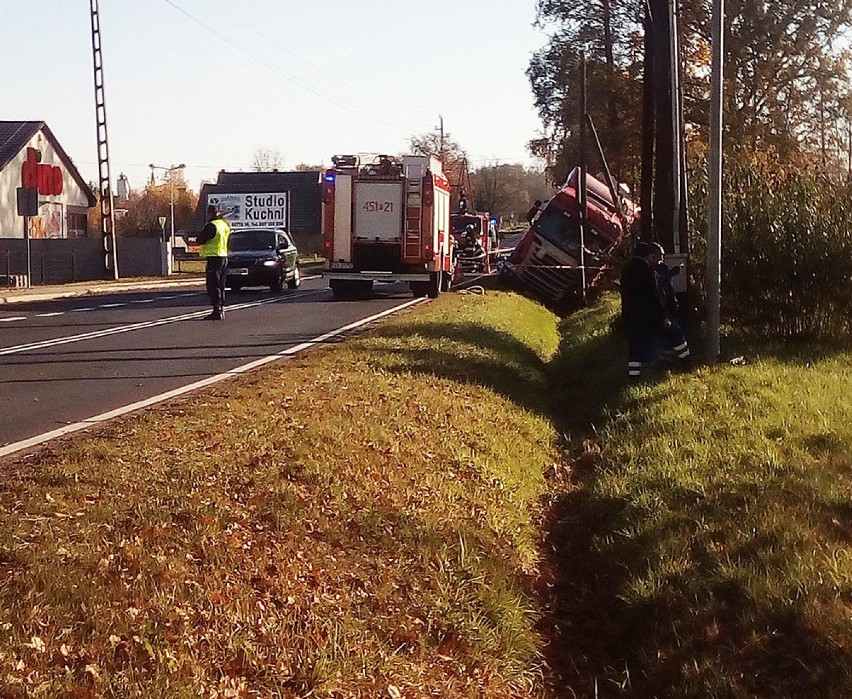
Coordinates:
249	210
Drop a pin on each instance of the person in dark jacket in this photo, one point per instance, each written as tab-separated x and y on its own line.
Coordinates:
213	246
674	336
642	307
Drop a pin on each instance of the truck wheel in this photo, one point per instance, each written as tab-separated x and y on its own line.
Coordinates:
340	288
434	285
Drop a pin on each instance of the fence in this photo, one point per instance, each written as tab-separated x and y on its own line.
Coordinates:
60	261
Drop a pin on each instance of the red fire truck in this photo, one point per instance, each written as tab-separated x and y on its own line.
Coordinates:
476	240
386	219
550	260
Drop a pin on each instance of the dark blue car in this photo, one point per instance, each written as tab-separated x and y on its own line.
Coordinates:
262	257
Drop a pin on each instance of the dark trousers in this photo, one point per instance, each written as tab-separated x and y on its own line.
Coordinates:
643	347
216	272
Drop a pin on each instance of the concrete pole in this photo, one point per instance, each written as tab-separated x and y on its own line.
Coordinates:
581	176
714	185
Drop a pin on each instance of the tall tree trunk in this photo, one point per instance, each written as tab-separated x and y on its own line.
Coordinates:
664	134
646	219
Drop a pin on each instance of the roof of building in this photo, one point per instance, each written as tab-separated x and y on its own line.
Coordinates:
14	135
304	186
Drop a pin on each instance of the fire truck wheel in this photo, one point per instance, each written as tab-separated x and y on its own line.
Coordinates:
434	285
340	288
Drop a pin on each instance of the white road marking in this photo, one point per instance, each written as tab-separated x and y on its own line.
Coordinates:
8	320
181	390
49	315
17	349
112	305
82	310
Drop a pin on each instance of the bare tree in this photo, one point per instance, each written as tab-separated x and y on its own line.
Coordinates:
267	159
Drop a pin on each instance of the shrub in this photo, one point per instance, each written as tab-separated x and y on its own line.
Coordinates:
787	251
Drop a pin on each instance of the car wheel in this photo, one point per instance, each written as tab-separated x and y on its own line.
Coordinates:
277	283
296	281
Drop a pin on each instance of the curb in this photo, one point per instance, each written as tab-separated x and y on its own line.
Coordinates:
26	296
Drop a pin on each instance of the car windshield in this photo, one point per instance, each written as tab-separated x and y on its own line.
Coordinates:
251	240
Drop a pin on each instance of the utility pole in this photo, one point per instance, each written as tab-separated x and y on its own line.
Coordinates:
581	175
104	178
714	185
440	128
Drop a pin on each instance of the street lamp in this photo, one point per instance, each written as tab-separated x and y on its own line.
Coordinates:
171	171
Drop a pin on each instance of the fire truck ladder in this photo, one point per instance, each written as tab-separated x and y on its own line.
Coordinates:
413	217
104	179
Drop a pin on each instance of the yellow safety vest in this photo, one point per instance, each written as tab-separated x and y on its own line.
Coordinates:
218	245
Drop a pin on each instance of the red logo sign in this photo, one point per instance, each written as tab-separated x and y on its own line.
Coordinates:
47	179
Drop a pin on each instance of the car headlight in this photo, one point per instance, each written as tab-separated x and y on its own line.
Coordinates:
270	263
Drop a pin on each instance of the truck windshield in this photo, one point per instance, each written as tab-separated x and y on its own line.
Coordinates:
251	240
557	227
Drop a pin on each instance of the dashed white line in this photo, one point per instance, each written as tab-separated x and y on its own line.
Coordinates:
49	315
145	324
112	305
8	320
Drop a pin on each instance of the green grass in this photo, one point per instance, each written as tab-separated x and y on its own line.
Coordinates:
710	529
466	502
362	517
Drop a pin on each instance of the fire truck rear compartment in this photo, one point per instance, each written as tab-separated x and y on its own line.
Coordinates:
377	257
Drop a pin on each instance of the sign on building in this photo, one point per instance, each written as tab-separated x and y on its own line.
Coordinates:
262	210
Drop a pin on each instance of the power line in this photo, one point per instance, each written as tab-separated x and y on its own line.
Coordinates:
283	73
278	44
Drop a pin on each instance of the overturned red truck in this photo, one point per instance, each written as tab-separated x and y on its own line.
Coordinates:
550	260
386	219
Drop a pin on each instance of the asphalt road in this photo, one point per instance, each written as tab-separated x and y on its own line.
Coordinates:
66	361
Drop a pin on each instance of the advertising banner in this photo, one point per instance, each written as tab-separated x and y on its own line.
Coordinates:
248	210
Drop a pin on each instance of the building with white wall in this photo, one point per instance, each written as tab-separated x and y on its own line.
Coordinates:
30	156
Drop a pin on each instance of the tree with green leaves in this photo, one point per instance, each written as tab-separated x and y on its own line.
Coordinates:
786	77
609	32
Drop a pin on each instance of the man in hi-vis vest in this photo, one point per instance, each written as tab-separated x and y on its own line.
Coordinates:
213	246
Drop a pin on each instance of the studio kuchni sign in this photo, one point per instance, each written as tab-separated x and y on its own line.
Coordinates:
244	210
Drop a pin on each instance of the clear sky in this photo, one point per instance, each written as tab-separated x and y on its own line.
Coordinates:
208	82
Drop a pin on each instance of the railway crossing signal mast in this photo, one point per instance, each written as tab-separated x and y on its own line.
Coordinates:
104	178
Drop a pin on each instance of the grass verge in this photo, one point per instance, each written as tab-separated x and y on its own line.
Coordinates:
356	522
704	544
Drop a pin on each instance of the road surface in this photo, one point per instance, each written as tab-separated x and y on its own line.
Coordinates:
66	361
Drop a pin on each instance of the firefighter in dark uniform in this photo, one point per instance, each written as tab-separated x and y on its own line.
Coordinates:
642	308
213	246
